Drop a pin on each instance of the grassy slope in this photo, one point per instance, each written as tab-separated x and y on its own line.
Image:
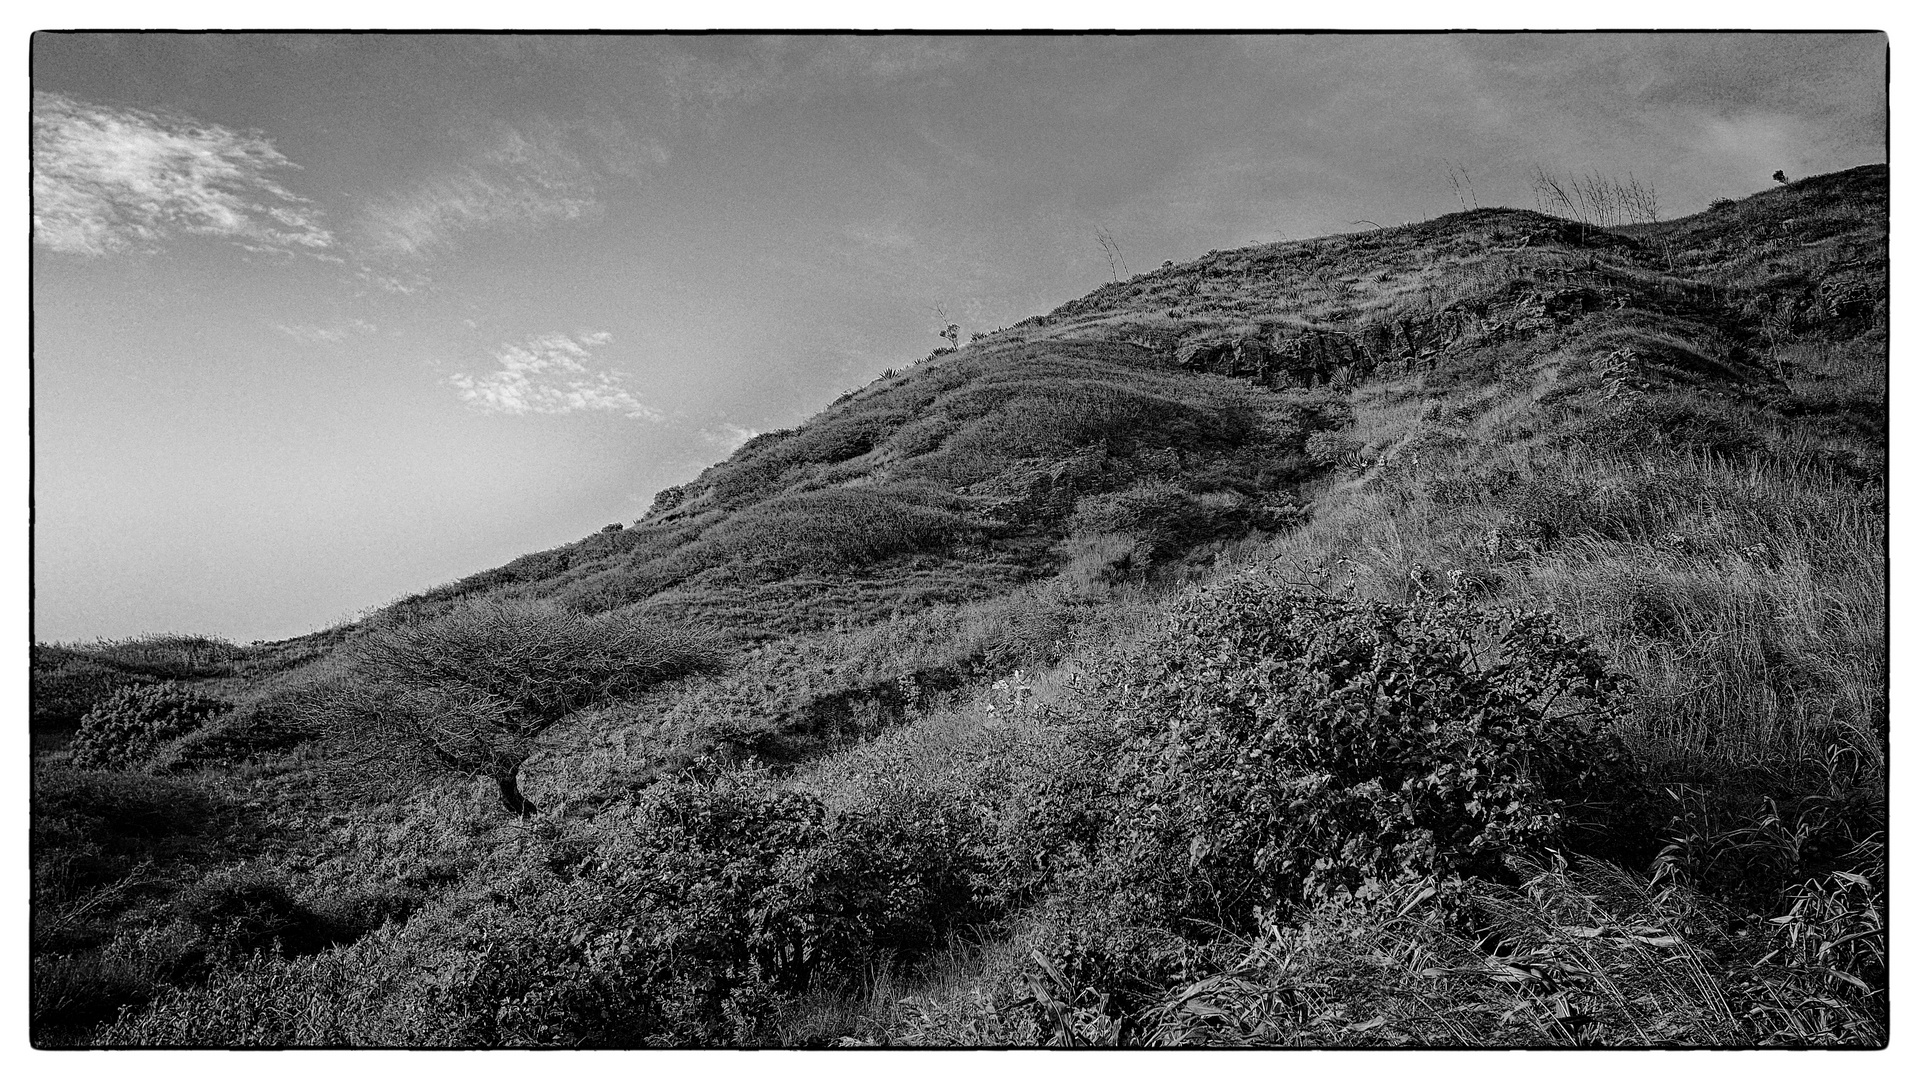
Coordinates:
1675	439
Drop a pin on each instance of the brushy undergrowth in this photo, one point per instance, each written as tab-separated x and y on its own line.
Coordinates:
1580	955
1278	748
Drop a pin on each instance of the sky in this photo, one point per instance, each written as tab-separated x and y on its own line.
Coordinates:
322	321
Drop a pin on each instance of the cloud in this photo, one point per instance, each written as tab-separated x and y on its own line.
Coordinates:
398	281
108	180
552	374
728	438
508	179
320	335
540	171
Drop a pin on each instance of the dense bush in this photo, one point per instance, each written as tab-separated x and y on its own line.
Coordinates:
763	886
126	729
696	917
67	684
1280	748
69	680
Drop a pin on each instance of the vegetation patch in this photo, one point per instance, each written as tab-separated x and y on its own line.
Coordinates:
127	728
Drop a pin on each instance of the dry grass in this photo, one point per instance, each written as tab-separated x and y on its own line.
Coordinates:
1589	955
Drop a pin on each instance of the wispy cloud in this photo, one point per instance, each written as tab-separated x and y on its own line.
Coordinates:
326	335
552	373
393	280
509	179
727	438
108	180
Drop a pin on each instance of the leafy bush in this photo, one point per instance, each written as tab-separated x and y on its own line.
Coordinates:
1282	748
126	729
727	896
67	684
69	680
763	884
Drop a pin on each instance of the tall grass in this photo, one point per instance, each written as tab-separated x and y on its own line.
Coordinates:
1745	599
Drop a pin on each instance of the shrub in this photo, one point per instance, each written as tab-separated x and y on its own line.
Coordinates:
126	729
735	894
68	683
1282	748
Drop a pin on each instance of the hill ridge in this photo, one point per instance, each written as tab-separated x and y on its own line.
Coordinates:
1302	314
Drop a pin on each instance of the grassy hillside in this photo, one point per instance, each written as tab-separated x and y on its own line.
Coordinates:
955	480
1468	633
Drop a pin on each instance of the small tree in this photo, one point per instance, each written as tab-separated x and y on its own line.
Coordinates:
952	331
1110	248
470	692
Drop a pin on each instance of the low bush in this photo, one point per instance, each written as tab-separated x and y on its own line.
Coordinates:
1282	748
126	729
67	684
